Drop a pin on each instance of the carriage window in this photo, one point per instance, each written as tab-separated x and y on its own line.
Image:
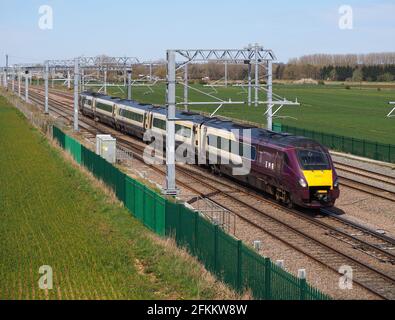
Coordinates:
224	144
183	131
244	150
212	140
159	123
248	151
104	107
131	115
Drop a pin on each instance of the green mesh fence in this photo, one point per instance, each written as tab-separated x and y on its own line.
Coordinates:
206	243
105	171
234	263
227	261
358	147
59	136
146	205
74	148
254	272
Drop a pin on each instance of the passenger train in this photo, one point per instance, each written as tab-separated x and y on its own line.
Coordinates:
295	170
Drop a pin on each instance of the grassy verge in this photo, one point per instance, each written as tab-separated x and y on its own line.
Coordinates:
52	214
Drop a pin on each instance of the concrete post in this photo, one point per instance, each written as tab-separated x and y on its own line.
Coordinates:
82	80
130	84
186	89
46	76
170	125
257	245
226	73
68	80
105	81
269	95
6	72
19	83
27	87
249	84
76	81
256	76
302	273
13	80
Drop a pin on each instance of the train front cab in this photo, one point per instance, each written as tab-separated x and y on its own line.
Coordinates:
318	182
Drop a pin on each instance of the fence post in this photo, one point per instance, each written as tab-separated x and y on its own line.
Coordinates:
144	203
268	279
155	212
303	288
179	223
342	143
215	247
364	147
376	156
196	233
303	283
239	266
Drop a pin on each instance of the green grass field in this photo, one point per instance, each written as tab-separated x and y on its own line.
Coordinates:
359	112
52	214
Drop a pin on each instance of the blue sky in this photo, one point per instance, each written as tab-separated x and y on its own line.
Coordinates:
147	28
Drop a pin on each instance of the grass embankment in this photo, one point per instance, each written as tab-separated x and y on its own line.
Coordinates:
358	112
52	214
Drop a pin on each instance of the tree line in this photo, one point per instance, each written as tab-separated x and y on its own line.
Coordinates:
324	67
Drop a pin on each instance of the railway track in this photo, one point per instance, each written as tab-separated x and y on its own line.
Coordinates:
369	174
384	184
224	194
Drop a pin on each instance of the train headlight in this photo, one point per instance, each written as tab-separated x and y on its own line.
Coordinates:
303	183
336	183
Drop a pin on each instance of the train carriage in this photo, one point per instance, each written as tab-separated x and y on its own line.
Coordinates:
104	110
295	170
131	117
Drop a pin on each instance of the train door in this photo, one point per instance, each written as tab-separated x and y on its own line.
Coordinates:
94	108
203	143
286	172
147	120
279	160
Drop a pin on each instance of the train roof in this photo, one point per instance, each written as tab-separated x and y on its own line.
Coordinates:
125	102
182	115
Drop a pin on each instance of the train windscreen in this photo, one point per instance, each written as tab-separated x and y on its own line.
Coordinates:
313	159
